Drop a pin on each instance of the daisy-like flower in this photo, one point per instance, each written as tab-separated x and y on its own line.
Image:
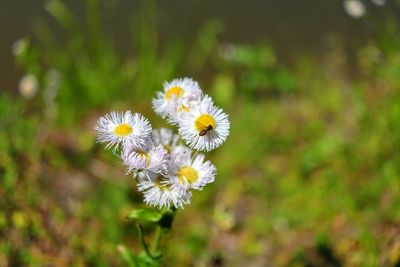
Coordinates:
205	127
179	107
159	191
146	158
165	137
180	153
192	172
123	128
177	97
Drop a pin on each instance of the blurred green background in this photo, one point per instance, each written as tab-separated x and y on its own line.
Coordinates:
308	177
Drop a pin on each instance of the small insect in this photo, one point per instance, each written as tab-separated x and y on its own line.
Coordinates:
205	130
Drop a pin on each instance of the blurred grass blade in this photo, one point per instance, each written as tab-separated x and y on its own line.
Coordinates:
94	25
147	49
46	37
63	15
128	256
206	43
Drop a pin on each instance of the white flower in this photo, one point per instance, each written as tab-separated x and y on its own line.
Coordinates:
160	192
192	172
28	86
354	8
145	158
205	127
180	153
379	2
115	128
179	107
20	47
165	137
177	97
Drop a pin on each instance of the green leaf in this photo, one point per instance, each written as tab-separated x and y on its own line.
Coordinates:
148	215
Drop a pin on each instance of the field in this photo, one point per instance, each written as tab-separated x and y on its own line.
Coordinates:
309	175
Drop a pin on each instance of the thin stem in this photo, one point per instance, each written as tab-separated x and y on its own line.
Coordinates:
143	242
163	226
157	239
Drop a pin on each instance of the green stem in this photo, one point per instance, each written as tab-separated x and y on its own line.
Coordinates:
157	240
163	225
143	242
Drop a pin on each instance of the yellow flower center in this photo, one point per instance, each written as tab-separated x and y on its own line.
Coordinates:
204	121
173	91
188	174
144	155
160	185
123	130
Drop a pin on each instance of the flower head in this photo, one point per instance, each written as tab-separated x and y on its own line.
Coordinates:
165	137
123	128
180	153
28	86
176	98
354	8
145	158
192	172
205	127
159	191
379	2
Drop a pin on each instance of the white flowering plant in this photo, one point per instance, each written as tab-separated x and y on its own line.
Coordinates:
166	166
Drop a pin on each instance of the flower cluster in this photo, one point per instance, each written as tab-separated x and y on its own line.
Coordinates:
166	170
